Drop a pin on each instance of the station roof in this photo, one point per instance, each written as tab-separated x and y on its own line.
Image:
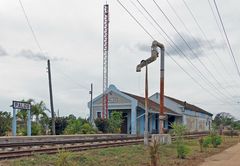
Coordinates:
151	104
189	106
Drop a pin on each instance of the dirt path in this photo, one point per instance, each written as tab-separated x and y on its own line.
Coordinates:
229	157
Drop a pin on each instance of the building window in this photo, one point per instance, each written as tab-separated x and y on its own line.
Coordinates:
98	114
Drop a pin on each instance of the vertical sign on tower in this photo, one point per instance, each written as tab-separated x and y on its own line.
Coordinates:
105	60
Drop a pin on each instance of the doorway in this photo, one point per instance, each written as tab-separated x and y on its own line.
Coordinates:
171	120
124	123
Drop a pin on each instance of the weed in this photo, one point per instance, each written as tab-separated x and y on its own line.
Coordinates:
64	158
154	152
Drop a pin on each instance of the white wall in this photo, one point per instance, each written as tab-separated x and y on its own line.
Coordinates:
168	103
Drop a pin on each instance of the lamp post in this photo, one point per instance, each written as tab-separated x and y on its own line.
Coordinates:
141	65
143	62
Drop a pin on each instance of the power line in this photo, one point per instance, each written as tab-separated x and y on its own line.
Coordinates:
223	38
74	81
197	82
30	27
215	19
200	46
135	19
188	45
38	43
198	71
185	71
191	13
229	45
205	36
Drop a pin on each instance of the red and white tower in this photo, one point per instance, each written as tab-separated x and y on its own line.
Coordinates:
105	60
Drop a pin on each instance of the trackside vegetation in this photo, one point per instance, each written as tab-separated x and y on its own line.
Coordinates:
134	155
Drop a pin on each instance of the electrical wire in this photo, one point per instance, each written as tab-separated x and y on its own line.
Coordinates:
135	19
205	36
38	43
200	46
226	36
188	45
223	38
189	61
30	27
197	82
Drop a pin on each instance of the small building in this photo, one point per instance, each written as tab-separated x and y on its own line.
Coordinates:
132	108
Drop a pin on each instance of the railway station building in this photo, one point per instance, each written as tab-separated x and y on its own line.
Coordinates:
132	108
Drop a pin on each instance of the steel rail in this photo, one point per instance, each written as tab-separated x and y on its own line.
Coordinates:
73	148
72	145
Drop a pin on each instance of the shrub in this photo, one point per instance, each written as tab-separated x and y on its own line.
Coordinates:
79	126
73	127
63	158
87	129
182	151
36	129
102	124
179	131
216	140
207	141
5	123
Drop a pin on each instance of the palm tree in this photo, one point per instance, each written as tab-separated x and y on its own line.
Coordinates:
38	110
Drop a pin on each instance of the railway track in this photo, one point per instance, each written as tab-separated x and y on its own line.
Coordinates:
57	148
23	149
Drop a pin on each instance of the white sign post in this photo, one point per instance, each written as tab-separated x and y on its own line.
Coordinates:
23	106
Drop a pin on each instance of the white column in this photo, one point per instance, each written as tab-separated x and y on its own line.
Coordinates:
133	117
29	129
14	123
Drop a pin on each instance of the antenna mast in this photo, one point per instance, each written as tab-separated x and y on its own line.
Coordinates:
105	60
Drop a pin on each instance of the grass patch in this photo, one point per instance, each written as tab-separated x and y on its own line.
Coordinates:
134	155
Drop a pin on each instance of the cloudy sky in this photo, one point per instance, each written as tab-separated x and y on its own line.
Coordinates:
70	34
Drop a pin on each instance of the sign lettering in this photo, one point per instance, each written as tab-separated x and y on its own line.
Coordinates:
21	105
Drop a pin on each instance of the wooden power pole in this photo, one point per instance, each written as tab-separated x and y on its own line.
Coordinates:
51	97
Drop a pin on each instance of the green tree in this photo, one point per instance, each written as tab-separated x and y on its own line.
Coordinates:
71	117
44	121
115	122
5	122
223	118
38	110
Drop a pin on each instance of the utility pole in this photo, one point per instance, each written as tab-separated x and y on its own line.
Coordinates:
51	97
91	104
